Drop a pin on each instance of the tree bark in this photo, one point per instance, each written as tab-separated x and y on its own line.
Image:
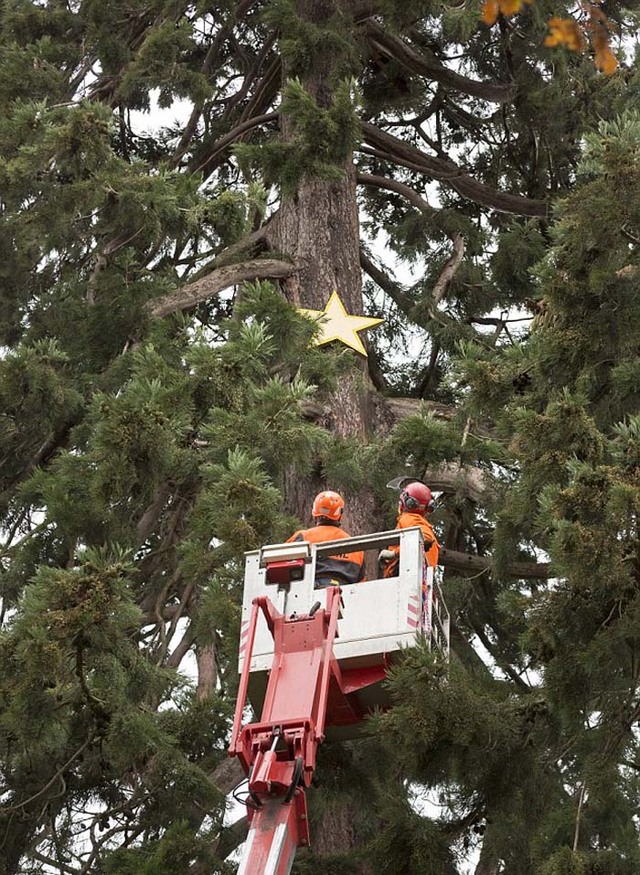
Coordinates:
207	670
465	481
318	229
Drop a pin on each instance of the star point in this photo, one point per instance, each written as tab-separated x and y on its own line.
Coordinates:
337	324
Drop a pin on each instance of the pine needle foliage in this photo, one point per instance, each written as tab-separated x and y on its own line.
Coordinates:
141	455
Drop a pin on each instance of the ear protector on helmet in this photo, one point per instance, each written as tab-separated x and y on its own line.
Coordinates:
417	497
411	503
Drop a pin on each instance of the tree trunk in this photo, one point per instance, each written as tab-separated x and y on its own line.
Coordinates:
207	670
318	228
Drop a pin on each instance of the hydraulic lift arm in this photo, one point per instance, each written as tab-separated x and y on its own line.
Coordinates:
278	754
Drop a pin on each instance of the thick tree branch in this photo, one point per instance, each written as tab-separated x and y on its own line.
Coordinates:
52	864
219	147
447	171
215	282
262	98
449	270
471	562
360	10
150	516
249	245
211	61
232	836
400	188
265	91
417	63
186	643
401	408
227	775
467	482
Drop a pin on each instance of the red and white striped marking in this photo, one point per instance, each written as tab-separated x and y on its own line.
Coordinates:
413	612
244	634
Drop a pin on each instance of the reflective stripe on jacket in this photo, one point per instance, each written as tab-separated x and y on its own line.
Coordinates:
344	567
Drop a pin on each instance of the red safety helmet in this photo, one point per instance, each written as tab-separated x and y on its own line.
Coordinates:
416	497
329	505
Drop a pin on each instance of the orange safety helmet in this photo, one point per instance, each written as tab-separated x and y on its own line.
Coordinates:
329	505
416	497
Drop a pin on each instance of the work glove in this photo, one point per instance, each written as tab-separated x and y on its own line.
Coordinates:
386	555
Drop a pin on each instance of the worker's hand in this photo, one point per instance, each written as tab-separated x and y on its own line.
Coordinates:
386	555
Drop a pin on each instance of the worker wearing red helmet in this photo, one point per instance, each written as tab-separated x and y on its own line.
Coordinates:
340	567
416	501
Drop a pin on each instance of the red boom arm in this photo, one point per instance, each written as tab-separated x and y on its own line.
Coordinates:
278	754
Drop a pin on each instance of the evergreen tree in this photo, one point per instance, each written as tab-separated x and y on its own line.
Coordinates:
156	425
543	760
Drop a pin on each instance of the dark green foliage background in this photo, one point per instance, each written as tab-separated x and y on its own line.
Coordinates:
140	457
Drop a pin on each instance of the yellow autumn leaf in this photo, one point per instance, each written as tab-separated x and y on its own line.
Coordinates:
510	7
490	10
565	32
606	61
568	32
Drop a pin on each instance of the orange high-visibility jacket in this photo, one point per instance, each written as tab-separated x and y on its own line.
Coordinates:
339	567
431	547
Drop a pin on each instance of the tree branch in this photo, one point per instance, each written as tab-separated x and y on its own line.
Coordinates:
42	456
449	270
469	482
400	188
185	645
447	171
261	99
215	282
471	562
232	836
234	134
207	670
211	61
501	663
252	244
453	263
57	774
401	408
417	63
53	864
395	292
227	775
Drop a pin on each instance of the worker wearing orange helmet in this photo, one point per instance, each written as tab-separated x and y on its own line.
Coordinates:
341	567
416	501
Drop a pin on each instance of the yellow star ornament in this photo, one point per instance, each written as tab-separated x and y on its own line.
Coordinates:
337	324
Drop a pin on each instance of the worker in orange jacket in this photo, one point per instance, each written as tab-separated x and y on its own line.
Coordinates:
416	501
339	567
